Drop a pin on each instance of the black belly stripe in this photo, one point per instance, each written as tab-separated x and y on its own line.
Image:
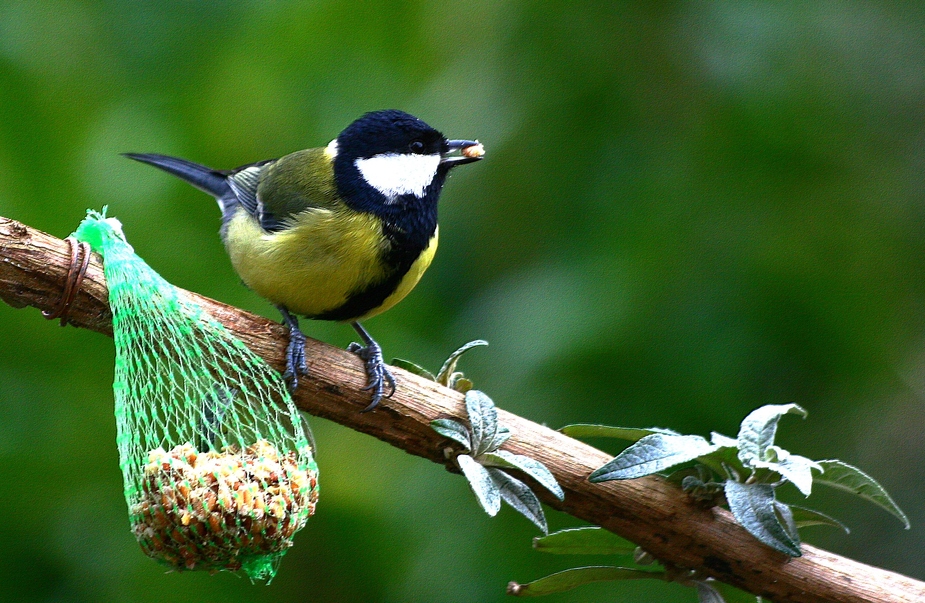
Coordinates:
408	223
400	256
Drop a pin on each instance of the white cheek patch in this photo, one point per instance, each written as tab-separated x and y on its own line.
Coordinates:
394	174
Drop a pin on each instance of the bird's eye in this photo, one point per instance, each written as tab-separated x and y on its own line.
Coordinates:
416	147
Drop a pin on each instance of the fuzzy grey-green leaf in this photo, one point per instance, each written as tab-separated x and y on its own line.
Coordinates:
413	368
759	428
793	467
454	430
588	540
785	516
798	469
723	441
483	417
753	507
653	453
851	479
534	469
520	497
500	438
482	485
449	367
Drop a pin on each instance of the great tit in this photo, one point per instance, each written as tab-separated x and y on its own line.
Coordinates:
341	232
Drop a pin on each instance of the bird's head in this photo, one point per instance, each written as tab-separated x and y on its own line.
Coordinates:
390	157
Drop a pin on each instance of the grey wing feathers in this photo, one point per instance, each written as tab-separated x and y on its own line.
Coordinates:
244	183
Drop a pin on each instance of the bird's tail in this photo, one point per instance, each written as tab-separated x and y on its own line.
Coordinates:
213	182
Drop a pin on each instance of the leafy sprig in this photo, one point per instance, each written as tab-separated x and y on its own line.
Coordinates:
743	473
447	375
481	460
486	466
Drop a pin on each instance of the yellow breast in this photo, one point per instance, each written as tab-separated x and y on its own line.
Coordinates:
313	267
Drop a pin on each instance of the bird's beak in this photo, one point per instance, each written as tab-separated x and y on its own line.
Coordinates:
471	150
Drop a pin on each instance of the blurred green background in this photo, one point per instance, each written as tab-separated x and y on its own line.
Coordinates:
687	210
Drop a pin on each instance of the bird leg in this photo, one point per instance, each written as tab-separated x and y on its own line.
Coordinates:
378	373
295	352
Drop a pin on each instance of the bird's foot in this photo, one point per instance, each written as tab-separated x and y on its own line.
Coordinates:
379	376
295	351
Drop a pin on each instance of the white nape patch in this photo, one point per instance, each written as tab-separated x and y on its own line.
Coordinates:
394	174
331	149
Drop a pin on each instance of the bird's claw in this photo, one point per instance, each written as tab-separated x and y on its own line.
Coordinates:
295	352
377	372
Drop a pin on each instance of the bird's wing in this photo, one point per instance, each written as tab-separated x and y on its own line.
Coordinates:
291	185
244	182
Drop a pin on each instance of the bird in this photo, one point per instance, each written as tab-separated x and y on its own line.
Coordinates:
341	232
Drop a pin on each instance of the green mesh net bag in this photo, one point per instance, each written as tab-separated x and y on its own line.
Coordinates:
218	471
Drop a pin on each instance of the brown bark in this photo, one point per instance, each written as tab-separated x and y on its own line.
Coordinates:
649	511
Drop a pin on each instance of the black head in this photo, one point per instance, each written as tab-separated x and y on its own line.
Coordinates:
393	164
390	131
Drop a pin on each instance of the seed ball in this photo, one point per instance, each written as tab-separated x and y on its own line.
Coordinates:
207	510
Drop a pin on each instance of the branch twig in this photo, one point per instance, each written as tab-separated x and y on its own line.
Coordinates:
649	511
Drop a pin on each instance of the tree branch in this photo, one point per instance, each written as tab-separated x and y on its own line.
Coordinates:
649	511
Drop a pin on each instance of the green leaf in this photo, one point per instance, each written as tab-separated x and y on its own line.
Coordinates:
483	417
481	483
722	459
520	497
413	368
570	578
753	507
531	467
851	479
493	459
653	453
706	593
590	540
449	367
454	430
460	383
590	430
757	431
804	517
